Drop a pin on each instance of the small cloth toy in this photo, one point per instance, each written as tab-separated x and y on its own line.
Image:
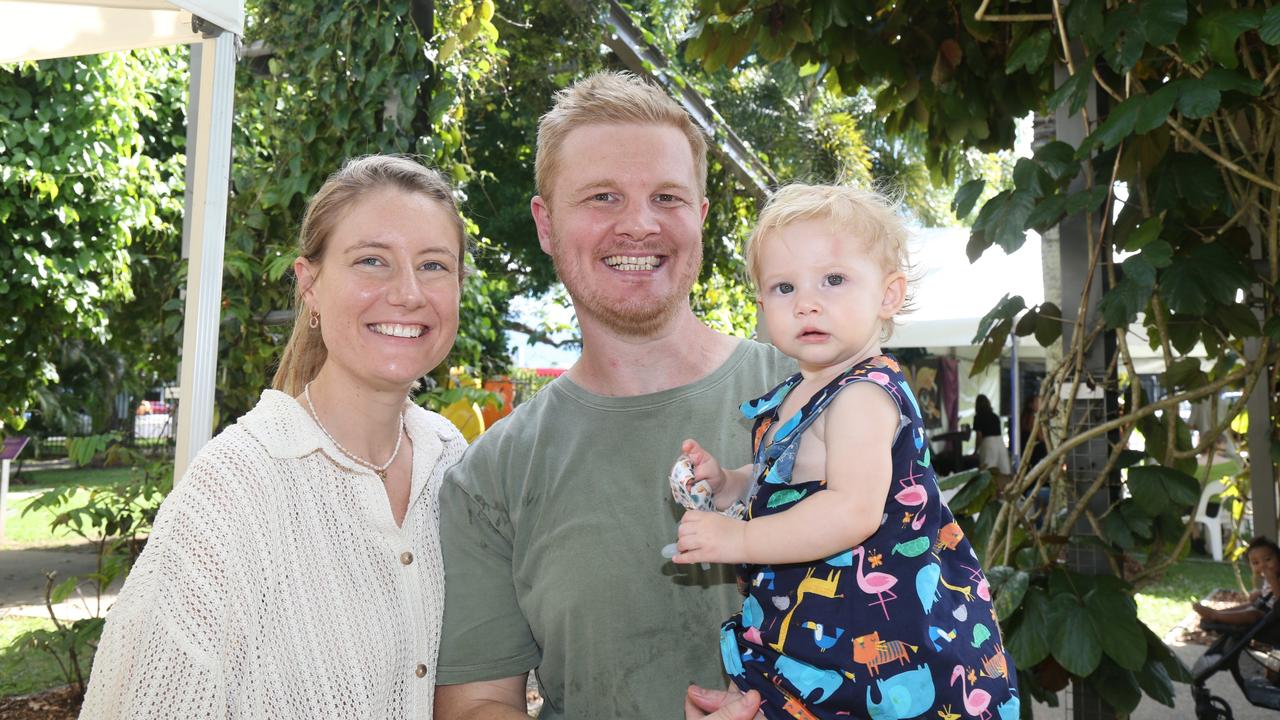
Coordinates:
695	494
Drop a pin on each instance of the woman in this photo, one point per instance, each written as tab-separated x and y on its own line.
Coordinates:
295	571
992	454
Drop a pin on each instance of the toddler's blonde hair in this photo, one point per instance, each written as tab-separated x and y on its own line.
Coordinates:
870	216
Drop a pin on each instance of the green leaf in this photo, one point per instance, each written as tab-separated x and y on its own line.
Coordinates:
1029	176
1116	531
966	196
1085	20
1269	29
1076	644
1028	641
1123	640
1158	489
992	347
1272	329
975	493
1146	231
1007	225
1140	270
1047	213
1086	201
1227	80
1029	52
1048	324
1122	303
1197	98
1007	309
1162	20
1180	288
63	590
1026	324
1058	159
1155	109
1117	687
1184	179
1155	682
1008	596
1239	320
1073	91
1222	27
1159	253
1118	126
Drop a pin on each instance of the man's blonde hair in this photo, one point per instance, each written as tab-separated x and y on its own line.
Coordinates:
868	216
611	98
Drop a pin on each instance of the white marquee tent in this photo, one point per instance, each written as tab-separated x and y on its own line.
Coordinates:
38	30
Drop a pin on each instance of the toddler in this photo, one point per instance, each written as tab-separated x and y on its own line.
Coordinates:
1264	561
863	597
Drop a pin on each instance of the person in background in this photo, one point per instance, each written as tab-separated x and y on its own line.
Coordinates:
989	441
1264	561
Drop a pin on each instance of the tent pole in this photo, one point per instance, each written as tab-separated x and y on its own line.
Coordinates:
1015	403
212	158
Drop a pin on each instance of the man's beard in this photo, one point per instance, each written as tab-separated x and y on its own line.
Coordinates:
633	317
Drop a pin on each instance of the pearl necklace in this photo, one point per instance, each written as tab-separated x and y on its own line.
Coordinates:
381	470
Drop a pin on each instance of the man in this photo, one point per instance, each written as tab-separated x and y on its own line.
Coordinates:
553	524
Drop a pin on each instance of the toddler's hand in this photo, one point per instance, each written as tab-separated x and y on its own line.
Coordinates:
710	537
705	467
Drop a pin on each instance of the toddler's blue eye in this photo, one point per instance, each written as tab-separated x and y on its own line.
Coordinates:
835	279
785	288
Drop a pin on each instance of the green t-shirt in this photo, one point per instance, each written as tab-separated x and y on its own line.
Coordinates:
553	526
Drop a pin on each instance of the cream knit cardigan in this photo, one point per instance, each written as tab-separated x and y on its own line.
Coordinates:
277	585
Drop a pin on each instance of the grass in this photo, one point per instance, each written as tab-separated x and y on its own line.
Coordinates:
33	529
1166	603
23	670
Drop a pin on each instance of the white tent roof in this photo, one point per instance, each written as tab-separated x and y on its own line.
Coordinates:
952	294
41	30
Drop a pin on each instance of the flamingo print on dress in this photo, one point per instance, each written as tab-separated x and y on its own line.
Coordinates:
876	583
975	700
914	495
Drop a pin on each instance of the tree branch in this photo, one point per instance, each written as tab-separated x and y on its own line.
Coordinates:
1233	167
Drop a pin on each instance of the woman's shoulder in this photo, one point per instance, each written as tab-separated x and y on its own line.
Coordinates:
436	423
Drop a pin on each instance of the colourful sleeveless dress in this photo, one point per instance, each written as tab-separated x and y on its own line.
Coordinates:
901	626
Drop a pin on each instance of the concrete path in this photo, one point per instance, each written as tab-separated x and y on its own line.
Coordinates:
1221	685
23	581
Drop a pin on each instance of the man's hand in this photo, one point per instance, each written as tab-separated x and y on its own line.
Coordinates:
721	704
705	466
710	537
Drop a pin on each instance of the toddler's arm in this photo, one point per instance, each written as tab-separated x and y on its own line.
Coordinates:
860	427
728	485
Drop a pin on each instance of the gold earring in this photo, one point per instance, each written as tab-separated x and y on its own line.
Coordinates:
314	322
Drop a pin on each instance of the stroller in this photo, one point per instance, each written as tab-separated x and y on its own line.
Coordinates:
1225	654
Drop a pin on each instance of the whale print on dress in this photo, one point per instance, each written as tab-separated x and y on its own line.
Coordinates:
877	630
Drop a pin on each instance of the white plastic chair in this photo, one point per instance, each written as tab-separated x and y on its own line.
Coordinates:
1213	524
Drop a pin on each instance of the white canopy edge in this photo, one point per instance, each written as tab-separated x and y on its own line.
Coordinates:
41	30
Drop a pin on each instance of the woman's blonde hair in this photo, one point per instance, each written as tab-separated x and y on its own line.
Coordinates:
611	98
870	216
305	353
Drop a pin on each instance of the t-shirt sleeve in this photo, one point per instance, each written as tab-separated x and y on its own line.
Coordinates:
485	634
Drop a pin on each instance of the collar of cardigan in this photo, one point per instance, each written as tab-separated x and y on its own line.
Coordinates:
286	430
